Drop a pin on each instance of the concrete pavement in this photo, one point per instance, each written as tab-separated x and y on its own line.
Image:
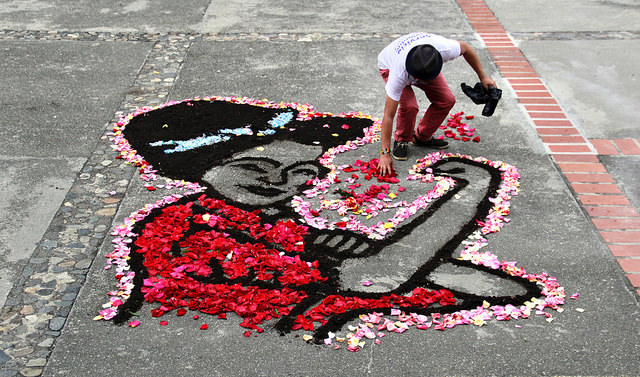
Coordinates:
69	70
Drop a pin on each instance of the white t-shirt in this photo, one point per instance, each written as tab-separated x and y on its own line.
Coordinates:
394	56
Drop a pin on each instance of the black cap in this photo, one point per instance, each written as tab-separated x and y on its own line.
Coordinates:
424	62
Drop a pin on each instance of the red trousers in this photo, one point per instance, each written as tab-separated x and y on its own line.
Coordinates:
441	98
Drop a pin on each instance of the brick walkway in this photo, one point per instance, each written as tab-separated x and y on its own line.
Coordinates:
577	157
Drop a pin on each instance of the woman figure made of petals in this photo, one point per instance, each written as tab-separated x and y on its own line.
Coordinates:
241	247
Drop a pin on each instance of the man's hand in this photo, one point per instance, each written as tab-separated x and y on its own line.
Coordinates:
487	82
385	165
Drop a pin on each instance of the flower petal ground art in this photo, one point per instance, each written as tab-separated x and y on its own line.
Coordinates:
202	249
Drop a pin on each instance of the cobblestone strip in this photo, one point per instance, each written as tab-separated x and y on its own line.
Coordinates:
298	37
39	303
27	35
577	158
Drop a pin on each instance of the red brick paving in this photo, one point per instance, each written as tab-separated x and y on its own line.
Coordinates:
551	115
586	167
526	81
604	146
550	101
635	280
617	223
513	64
553	123
612	211
596	188
574	148
555	139
625	250
575	157
627	146
557	131
542	108
528	87
523	94
631	236
630	265
604	200
589	178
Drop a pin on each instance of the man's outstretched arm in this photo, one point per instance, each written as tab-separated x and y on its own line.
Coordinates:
385	166
474	62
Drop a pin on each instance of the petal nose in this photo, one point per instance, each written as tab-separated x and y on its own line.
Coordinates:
274	177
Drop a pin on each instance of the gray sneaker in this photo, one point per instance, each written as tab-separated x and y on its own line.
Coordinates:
400	150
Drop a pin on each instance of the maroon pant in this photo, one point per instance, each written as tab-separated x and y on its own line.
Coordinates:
441	98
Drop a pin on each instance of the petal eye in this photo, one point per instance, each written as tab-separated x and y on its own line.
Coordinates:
304	171
251	167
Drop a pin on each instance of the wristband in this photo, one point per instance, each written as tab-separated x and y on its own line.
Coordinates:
384	151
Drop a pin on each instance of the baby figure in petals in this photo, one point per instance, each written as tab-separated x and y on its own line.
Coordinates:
298	229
